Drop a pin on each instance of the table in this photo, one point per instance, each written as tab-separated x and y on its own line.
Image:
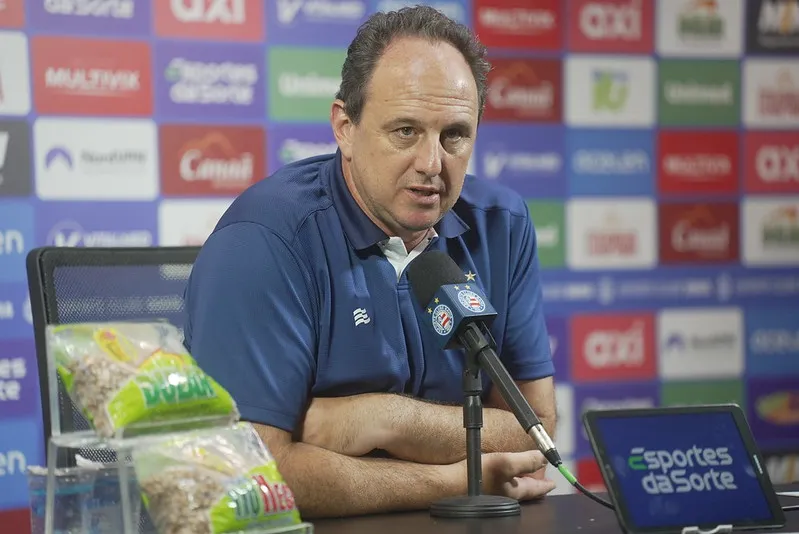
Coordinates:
572	514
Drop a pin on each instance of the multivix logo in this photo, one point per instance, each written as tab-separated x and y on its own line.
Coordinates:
360	316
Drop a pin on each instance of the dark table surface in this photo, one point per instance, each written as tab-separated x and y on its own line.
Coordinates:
573	514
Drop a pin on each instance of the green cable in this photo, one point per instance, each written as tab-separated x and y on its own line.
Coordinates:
567	474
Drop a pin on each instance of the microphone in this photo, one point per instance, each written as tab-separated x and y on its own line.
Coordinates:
460	315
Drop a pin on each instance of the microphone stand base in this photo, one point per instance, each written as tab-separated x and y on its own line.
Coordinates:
474	506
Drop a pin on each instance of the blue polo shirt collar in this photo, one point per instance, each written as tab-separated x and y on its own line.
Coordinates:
359	228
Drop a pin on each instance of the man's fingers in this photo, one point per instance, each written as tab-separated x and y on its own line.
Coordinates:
526	488
521	463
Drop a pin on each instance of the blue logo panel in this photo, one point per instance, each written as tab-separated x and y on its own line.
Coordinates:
15	312
330	23
19	378
94	224
599	164
528	159
16	239
772	340
20	446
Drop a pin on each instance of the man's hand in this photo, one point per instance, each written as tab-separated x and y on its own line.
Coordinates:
335	424
514	474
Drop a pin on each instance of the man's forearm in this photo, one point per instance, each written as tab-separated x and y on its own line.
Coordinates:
328	484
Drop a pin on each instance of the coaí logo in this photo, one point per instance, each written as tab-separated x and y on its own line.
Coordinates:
471	301
292	150
601	21
781	228
443	320
69	233
700	21
611	89
197	82
230	169
494	163
611	162
328	10
683	471
606	348
118	9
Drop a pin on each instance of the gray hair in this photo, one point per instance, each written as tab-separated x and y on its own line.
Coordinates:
381	29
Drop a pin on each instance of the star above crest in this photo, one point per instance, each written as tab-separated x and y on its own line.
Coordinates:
470	276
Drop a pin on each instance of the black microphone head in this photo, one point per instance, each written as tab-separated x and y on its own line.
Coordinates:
431	270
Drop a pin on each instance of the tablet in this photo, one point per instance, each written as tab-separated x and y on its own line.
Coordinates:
672	468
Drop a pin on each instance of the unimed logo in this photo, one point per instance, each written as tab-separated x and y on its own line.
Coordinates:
229	20
519	23
303	82
772	162
698	162
91	77
613	347
698	233
524	90
610	26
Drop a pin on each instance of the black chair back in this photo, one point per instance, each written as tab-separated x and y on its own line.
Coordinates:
71	285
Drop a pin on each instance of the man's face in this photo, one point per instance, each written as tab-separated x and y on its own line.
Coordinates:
408	155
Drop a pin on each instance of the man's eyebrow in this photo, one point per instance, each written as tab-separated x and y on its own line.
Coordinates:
400	122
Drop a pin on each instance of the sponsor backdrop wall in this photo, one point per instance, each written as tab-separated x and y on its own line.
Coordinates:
657	143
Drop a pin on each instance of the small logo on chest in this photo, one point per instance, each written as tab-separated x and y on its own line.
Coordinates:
360	316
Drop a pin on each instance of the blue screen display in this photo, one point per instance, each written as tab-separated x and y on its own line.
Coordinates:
683	470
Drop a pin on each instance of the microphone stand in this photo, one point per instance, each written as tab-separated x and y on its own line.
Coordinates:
475	504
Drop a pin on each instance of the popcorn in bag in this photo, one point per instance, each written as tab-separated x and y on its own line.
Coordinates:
213	482
125	373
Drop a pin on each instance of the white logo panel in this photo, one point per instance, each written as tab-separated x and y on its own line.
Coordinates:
696	343
15	90
96	159
184	223
564	432
771	93
689	28
610	91
611	233
770	231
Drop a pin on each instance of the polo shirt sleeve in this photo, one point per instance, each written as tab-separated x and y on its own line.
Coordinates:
525	352
251	322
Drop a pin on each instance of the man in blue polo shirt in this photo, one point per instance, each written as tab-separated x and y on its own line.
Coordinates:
299	302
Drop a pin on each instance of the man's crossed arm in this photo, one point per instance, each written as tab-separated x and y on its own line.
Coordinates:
330	477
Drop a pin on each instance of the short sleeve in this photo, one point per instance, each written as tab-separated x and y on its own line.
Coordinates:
525	348
251	322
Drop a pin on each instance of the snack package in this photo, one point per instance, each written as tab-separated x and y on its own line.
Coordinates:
125	373
213	482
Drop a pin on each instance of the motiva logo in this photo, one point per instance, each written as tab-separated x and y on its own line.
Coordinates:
12	13
210	160
87	76
698	162
613	347
772	162
698	233
611	26
229	20
524	90
517	24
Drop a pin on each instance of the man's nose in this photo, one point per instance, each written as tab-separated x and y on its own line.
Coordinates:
429	157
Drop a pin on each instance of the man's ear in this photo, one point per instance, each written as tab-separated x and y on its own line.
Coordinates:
342	128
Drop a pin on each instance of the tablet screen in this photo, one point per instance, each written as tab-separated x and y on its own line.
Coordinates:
678	469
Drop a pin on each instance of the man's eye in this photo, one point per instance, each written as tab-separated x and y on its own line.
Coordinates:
453	135
405	131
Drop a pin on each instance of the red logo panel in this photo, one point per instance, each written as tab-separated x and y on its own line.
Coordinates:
699	233
613	347
611	26
519	23
698	162
230	20
12	13
524	90
590	476
772	162
210	160
91	77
